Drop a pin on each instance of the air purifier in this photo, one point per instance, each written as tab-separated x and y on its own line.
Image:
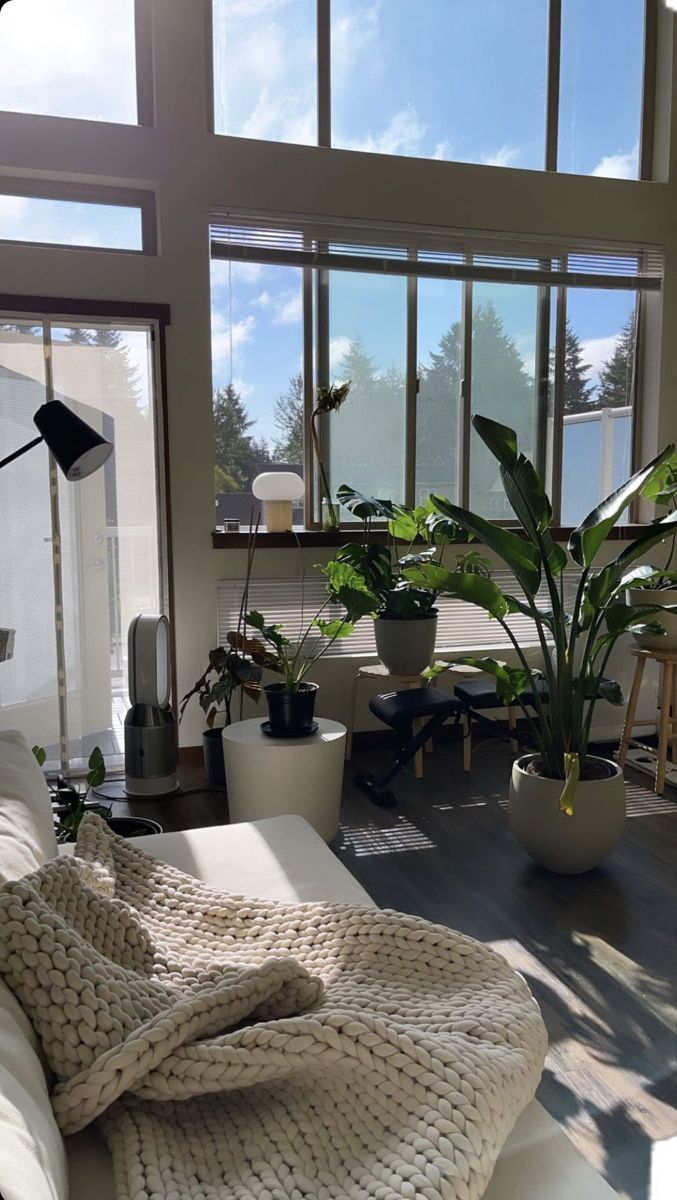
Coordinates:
151	738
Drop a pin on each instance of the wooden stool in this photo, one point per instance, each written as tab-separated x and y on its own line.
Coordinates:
378	671
667	723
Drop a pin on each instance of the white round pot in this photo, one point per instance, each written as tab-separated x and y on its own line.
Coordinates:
568	845
406	647
666	596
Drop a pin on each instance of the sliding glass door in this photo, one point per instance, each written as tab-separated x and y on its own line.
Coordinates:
71	694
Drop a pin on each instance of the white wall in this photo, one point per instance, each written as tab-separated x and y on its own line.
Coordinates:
192	173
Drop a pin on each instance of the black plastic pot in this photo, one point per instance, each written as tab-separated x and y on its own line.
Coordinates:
290	713
134	826
212	750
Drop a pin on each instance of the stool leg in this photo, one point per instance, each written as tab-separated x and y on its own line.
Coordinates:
418	725
630	714
351	717
429	747
666	697
467	741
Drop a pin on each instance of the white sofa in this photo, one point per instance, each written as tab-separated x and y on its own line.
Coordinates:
279	858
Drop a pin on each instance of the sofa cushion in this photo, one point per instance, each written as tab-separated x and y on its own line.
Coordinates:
33	1158
27	836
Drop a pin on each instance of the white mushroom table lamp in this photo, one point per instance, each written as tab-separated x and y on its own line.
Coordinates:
278	489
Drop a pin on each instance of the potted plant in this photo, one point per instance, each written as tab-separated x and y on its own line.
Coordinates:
291	703
239	665
70	802
658	586
567	806
327	400
405	622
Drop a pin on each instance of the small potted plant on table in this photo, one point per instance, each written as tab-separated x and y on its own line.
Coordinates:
405	621
291	703
567	806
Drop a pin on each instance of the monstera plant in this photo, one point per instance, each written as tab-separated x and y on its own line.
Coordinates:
567	805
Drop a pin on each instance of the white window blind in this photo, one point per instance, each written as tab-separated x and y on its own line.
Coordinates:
461	627
444	254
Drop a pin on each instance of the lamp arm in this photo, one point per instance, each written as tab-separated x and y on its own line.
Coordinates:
17	453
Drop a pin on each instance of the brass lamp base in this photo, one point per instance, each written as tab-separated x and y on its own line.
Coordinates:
278	516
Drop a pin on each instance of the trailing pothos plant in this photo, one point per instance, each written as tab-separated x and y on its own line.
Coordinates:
416	537
576	639
295	657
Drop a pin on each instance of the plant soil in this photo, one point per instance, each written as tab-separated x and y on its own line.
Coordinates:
594	769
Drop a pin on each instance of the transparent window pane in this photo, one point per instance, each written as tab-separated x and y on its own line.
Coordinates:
503	382
109	525
265	70
28	683
430	79
69	58
257	371
367	345
439	373
601	87
599	364
70	223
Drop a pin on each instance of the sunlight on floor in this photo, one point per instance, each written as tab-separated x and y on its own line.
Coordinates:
371	839
663	1169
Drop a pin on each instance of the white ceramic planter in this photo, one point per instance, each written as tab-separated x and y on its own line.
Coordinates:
668	620
406	647
568	845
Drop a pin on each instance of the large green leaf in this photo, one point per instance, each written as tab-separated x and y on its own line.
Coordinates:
526	493
601	586
662	487
521	556
364	507
443	529
510	681
472	588
587	538
500	439
336	629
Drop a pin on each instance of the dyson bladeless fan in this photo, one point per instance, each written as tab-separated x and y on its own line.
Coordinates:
151	739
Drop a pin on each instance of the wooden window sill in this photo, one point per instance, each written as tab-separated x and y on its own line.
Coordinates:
317	537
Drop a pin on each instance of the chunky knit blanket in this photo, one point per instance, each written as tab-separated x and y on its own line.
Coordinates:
239	1049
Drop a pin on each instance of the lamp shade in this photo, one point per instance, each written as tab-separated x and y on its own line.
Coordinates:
78	449
278	485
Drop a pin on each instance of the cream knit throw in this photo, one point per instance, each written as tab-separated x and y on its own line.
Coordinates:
238	1049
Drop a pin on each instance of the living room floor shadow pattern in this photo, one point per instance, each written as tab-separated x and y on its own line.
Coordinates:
598	949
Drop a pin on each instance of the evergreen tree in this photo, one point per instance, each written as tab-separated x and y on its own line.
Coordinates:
80	337
238	455
289	420
366	437
615	377
579	393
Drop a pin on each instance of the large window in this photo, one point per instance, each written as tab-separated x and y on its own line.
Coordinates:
71	694
49	221
543	342
70	58
531	84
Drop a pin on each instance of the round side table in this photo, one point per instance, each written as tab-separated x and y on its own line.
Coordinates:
273	777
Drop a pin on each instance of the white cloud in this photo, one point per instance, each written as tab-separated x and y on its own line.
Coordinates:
242	272
619	166
263	300
12	209
505	156
354	34
222	338
233	10
402	135
596	352
283	117
289	312
338	348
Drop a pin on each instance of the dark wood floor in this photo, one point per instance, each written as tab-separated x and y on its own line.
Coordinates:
599	951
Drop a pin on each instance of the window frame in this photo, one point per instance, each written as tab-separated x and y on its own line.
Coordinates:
83	193
552	77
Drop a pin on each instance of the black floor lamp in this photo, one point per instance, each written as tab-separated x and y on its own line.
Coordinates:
79	451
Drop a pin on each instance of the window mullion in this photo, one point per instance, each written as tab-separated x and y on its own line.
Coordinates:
552	107
465	397
648	89
411	393
323	73
308	394
558	405
322	368
541	379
